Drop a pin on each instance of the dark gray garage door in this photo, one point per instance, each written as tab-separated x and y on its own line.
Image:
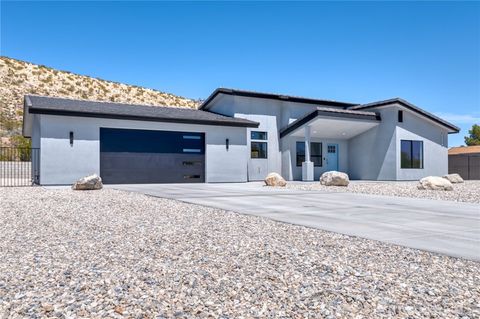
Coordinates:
144	156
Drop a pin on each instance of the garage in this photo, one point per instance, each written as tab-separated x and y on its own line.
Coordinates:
129	156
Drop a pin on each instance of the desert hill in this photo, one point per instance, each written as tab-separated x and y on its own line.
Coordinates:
18	78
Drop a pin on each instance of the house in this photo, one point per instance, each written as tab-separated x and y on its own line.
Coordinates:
464	160
235	136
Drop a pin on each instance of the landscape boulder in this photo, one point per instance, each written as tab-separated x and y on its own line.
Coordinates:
435	183
90	182
454	178
334	178
275	179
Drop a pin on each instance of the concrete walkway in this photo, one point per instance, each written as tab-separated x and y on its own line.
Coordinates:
438	226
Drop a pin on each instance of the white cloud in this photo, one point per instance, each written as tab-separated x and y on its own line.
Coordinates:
460	118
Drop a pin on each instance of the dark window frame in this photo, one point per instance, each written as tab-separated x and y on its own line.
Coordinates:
260	153
257	138
400	116
411	159
301	158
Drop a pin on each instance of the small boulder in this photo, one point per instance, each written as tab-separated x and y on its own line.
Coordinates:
334	178
90	182
435	183
275	179
454	178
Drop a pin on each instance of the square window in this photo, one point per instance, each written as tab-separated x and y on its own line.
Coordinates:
258	150
315	153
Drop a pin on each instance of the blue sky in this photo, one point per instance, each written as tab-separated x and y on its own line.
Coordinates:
425	52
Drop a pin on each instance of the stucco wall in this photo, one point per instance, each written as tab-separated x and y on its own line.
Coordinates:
273	115
435	146
372	153
375	154
63	164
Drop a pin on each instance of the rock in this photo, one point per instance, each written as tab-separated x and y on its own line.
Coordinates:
275	179
119	310
334	178
88	183
454	178
435	183
47	307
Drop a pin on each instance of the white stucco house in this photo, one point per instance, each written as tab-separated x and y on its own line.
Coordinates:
234	136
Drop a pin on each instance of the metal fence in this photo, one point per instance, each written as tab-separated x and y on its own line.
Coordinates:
467	165
19	166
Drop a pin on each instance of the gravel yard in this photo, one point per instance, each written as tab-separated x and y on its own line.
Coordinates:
468	192
116	254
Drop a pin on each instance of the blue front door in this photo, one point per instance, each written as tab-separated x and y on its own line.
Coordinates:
332	157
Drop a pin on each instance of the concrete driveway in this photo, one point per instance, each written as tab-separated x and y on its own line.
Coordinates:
438	226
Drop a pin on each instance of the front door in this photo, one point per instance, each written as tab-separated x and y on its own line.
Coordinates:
332	157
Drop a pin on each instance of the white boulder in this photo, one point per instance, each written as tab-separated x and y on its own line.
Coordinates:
435	183
275	179
90	182
454	178
334	178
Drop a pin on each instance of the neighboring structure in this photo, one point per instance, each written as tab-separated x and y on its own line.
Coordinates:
465	160
235	136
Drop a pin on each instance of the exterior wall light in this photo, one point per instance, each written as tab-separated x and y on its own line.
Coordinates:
71	138
227	143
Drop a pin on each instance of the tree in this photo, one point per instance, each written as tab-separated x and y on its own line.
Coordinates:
474	136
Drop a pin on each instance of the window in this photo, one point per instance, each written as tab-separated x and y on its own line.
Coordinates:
258	150
411	155
400	116
315	153
255	135
331	149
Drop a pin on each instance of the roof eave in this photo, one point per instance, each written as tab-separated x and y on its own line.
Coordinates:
453	129
311	116
294	99
142	118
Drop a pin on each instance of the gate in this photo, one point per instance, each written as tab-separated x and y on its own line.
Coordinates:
19	166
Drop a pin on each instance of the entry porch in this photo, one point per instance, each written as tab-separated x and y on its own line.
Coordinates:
319	142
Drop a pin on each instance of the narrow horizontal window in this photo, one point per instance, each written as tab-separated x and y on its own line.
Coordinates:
411	154
258	150
192	150
191	176
190	163
256	135
192	137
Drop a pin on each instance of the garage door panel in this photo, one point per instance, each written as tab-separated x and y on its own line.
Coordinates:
145	161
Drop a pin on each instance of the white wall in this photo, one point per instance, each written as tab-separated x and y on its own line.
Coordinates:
63	164
435	146
272	115
375	154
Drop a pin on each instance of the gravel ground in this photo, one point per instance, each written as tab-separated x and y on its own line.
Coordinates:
116	254
468	192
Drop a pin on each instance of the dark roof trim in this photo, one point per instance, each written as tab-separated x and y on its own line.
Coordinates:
271	96
411	107
36	104
141	118
369	116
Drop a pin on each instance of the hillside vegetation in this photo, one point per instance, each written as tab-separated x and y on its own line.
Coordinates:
18	78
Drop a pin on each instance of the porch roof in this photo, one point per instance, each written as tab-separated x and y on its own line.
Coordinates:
337	115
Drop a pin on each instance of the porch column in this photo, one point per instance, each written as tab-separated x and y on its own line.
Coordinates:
307	166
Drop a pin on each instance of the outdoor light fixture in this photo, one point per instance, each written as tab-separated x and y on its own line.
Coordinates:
227	143
71	138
